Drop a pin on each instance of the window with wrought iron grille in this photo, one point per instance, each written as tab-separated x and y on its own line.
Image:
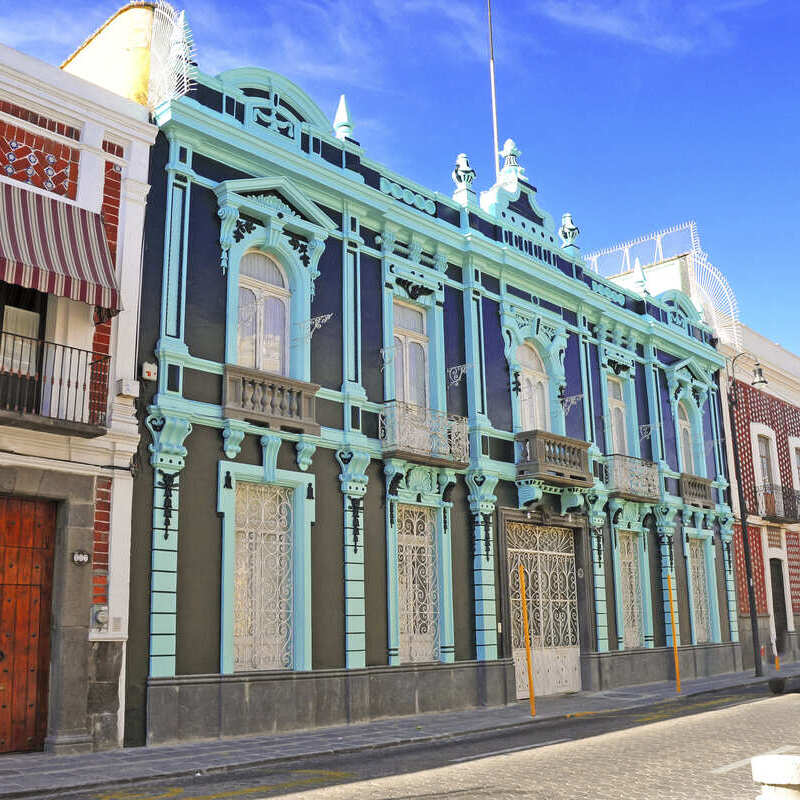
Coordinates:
534	411
262	631
631	589
700	601
418	589
263	337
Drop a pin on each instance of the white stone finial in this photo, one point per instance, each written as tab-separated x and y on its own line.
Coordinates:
342	124
463	174
511	153
568	231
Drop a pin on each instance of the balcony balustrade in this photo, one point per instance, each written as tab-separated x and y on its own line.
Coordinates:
555	459
696	491
424	435
630	478
52	387
271	400
778	503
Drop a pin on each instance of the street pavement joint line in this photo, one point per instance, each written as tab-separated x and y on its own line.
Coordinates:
745	761
509	750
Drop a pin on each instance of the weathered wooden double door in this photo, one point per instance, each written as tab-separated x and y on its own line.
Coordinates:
547	556
27	532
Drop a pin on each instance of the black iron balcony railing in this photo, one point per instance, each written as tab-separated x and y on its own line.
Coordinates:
629	477
268	399
424	435
552	458
696	491
49	386
779	503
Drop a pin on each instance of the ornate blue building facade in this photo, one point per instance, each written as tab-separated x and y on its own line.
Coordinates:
374	402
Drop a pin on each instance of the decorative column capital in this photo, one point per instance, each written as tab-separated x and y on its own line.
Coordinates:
353	477
481	491
169	431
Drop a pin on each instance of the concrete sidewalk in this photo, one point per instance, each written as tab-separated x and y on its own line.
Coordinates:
41	773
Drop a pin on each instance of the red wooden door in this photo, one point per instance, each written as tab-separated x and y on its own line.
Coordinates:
27	532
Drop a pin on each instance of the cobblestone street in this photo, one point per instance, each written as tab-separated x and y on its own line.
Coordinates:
701	757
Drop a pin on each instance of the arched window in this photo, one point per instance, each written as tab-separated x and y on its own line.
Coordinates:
616	410
685	430
534	411
263	315
410	355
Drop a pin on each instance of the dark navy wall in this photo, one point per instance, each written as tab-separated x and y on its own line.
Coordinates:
668	428
572	368
642	411
455	349
326	344
371	327
498	388
206	286
597	397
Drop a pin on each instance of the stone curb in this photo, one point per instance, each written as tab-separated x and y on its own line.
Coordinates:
792	684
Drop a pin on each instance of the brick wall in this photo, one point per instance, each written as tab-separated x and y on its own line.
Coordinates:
793	559
782	417
757	559
38	160
102	529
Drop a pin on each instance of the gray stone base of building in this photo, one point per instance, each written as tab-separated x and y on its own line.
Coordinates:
212	706
617	668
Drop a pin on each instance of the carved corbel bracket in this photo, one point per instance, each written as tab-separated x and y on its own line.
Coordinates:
304	451
232	437
270	444
353	477
229	216
169	432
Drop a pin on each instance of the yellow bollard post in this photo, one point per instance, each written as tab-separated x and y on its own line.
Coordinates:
777	663
674	637
524	599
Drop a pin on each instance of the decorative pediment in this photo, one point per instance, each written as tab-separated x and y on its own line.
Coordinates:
275	209
682	311
548	334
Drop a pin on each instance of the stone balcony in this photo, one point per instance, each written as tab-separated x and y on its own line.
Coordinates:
696	491
554	459
270	400
630	478
423	435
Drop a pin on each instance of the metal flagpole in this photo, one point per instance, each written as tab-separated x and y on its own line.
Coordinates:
494	97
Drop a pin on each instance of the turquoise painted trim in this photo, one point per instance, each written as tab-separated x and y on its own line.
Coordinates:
710	588
303	515
600	601
392	582
653	406
730	587
445	577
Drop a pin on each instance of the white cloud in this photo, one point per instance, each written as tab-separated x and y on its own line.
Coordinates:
671	26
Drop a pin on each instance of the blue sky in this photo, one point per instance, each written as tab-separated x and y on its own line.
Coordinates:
632	114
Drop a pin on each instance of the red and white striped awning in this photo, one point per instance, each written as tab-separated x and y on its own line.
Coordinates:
55	247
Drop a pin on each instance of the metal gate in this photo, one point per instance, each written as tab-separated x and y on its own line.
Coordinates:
262	608
27	535
547	556
631	586
702	613
418	591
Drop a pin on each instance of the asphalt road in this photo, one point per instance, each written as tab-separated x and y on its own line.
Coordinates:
693	749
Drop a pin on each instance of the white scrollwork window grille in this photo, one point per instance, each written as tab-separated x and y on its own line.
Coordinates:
418	588
262	634
702	613
631	585
547	556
